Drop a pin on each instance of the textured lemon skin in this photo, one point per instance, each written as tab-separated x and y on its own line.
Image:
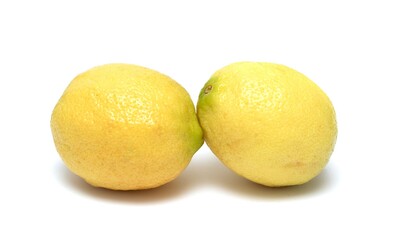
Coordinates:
125	127
267	122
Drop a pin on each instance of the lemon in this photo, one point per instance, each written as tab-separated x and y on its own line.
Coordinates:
267	122
125	127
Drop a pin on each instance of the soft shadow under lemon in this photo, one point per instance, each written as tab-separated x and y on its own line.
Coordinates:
163	193
207	171
204	171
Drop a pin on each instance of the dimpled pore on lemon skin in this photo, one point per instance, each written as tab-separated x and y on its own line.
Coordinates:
125	127
267	122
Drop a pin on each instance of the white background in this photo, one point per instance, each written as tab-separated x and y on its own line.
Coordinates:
344	46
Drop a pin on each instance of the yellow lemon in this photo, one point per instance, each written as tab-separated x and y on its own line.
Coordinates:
125	127
267	122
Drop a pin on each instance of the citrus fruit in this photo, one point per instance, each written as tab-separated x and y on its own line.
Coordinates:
267	122
125	127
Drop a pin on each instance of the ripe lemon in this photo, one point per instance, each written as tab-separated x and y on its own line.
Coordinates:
267	122
125	127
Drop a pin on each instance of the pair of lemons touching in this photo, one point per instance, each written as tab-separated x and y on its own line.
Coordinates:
127	127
